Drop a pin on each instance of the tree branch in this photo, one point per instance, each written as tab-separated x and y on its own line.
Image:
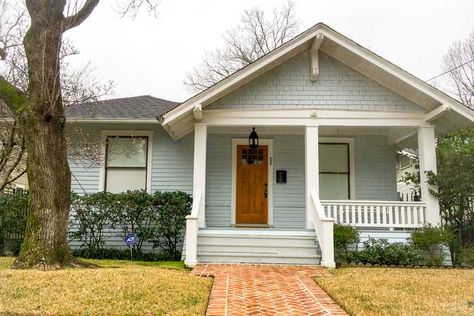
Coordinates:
81	15
13	97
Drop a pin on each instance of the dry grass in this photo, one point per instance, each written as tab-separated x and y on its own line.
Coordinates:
117	288
386	291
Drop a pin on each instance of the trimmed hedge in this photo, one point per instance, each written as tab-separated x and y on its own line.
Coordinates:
158	219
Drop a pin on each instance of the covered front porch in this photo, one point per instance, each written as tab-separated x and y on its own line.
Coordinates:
311	169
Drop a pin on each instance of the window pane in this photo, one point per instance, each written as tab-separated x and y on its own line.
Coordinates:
126	151
122	180
334	186
333	158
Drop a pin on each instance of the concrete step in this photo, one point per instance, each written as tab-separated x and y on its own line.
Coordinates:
295	250
257	246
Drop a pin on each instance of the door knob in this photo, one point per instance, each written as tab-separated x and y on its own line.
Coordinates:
265	193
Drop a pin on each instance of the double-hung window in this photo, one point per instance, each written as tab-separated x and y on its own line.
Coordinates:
126	163
334	171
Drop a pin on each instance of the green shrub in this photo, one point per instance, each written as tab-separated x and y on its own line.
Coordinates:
172	208
91	214
380	251
431	241
345	239
159	219
466	256
13	210
134	213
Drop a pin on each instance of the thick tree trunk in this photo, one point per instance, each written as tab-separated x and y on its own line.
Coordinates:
42	120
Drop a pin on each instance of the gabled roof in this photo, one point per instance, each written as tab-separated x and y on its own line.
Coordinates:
143	107
335	45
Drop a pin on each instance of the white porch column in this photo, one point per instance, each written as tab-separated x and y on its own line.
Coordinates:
311	169
199	170
427	157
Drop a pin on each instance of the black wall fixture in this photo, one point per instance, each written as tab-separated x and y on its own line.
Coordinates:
281	176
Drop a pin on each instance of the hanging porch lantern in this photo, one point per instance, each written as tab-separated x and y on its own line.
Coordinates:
253	139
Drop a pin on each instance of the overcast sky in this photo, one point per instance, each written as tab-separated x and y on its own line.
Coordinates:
151	55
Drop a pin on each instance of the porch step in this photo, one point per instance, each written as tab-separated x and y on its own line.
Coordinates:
257	246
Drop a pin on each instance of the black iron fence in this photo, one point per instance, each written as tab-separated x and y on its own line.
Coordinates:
13	210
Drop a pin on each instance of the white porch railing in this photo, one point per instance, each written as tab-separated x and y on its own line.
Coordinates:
192	229
376	213
324	227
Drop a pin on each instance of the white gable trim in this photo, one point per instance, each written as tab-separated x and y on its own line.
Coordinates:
290	49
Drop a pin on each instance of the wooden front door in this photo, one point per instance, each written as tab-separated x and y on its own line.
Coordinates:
252	185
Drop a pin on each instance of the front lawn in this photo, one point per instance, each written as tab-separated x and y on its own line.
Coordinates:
387	291
116	288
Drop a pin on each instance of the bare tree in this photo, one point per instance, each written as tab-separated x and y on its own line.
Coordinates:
78	85
256	35
459	66
39	111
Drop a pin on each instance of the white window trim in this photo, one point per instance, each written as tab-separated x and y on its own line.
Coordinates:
241	141
107	133
350	141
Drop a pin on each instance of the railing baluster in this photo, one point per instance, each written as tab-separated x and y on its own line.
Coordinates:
377	215
409	215
402	211
397	218
384	215
359	214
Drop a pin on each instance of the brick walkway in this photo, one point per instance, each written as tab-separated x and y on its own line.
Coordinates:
267	290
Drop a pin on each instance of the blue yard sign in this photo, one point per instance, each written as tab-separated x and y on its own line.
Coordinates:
131	239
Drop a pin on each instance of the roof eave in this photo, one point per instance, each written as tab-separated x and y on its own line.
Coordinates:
301	41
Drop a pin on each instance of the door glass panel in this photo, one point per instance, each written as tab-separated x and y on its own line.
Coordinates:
252	156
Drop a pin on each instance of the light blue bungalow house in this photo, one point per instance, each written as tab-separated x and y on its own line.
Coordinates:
275	154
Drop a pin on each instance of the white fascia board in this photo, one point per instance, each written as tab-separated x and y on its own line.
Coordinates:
463	111
387	66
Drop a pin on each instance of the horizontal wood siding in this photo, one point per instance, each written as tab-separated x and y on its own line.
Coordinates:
219	180
85	173
375	172
289	198
171	166
337	87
